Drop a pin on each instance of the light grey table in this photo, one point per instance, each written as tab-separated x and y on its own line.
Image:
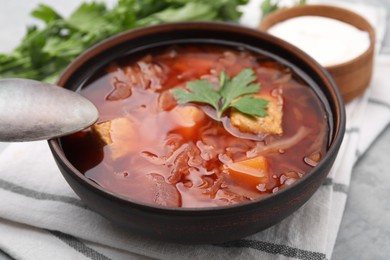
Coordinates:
365	228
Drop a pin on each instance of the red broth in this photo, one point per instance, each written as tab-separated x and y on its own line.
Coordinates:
149	149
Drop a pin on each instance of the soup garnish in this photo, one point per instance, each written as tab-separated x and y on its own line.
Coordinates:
235	93
172	133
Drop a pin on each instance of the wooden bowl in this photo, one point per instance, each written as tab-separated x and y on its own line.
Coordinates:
352	77
202	225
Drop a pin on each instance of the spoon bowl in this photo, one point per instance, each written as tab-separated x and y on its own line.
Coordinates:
31	110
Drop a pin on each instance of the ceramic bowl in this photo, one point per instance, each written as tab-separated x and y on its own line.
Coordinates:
201	225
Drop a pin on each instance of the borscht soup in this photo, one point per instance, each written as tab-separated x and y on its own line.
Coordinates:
199	125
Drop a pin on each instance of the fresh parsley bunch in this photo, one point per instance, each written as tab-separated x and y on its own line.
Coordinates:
45	52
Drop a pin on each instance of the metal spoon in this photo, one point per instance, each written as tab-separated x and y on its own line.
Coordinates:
31	110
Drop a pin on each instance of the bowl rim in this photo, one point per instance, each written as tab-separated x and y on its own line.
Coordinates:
336	139
333	12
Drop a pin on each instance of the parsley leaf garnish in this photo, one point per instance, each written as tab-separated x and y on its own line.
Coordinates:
201	91
237	93
252	106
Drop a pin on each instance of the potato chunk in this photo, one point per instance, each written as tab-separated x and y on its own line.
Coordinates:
119	134
271	124
103	131
187	116
251	172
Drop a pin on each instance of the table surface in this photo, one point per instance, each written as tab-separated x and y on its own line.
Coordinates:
365	228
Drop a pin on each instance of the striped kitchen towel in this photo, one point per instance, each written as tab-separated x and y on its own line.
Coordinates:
41	217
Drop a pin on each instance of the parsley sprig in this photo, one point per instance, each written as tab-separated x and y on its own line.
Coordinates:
232	93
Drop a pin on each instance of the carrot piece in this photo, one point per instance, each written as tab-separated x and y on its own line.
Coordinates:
251	172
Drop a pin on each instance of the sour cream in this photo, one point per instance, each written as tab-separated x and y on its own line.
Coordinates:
329	41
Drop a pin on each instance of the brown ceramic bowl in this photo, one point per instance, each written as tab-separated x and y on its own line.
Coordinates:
202	225
352	77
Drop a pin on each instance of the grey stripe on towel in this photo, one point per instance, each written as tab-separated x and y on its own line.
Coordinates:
275	249
5	256
337	187
352	130
9	186
379	102
79	246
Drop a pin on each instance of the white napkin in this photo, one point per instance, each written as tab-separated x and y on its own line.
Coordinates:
42	218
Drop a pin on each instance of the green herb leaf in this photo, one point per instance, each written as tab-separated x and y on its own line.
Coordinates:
252	106
238	86
189	12
45	13
201	91
234	93
89	17
269	6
